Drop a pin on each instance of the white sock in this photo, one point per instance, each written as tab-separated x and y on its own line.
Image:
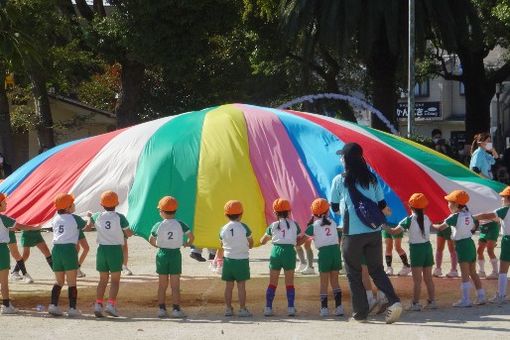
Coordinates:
465	287
502	282
494	263
481	294
481	265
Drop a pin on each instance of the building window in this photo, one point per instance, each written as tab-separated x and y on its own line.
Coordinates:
462	91
422	89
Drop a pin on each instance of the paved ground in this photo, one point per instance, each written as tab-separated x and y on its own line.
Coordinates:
202	293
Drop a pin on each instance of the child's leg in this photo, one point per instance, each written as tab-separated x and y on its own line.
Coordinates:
301	255
289	285
440	243
502	279
429	283
4	283
125	253
474	276
309	252
388	251
417	277
46	252
20	264
229	286
163	285
85	250
324	278
71	276
466	284
453	254
491	246
481	259
241	291
335	286
401	252
175	283
57	287
101	286
271	288
367	283
26	253
114	288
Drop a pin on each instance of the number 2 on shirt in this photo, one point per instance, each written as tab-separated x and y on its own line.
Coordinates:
170	235
328	231
467	220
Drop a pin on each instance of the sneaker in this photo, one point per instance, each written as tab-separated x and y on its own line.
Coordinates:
178	314
73	312
15	276
492	276
462	304
8	310
324	312
497	299
431	305
126	271
339	311
54	310
111	310
437	272
415	307
291	311
481	274
244	313
198	257
80	274
393	312
308	271
98	310
389	271
301	267
268	311
27	278
404	271
229	311
452	273
162	313
480	301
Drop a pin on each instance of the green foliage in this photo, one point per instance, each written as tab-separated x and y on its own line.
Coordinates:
101	90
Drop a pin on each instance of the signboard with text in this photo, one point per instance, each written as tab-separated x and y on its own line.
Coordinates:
422	110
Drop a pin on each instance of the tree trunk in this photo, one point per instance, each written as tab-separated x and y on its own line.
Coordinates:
129	104
45	135
6	147
382	69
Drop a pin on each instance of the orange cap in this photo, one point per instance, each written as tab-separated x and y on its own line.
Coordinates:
458	196
281	204
319	206
3	197
167	203
233	207
63	201
505	192
418	201
109	199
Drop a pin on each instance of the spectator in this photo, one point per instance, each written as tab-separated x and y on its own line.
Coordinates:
5	168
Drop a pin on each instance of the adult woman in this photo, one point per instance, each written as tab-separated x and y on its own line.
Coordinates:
361	241
483	155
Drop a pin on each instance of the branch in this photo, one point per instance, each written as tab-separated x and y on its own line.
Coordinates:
99	8
448	75
316	68
335	67
84	10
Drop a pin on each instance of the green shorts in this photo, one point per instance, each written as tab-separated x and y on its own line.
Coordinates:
385	234
12	237
5	258
236	270
109	258
31	238
363	261
445	233
466	250
489	232
505	249
65	257
329	258
81	235
169	261
421	255
283	256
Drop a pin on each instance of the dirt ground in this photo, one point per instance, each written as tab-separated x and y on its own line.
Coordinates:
202	300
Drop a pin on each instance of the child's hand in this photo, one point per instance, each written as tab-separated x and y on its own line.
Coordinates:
387	211
89	214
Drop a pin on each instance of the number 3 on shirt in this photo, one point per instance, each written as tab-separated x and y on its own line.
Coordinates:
108	225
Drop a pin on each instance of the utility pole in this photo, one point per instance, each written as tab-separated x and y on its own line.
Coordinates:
410	73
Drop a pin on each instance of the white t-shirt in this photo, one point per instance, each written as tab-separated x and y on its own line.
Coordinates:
66	228
323	235
109	227
6	223
169	233
461	223
234	235
283	231
410	223
505	219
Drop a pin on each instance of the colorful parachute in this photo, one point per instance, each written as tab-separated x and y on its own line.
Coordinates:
236	151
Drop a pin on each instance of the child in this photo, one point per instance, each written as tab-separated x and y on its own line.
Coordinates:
503	215
236	241
418	225
445	237
66	230
305	263
489	233
111	228
84	246
325	238
285	234
125	251
168	236
29	239
20	264
7	225
462	224
390	240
